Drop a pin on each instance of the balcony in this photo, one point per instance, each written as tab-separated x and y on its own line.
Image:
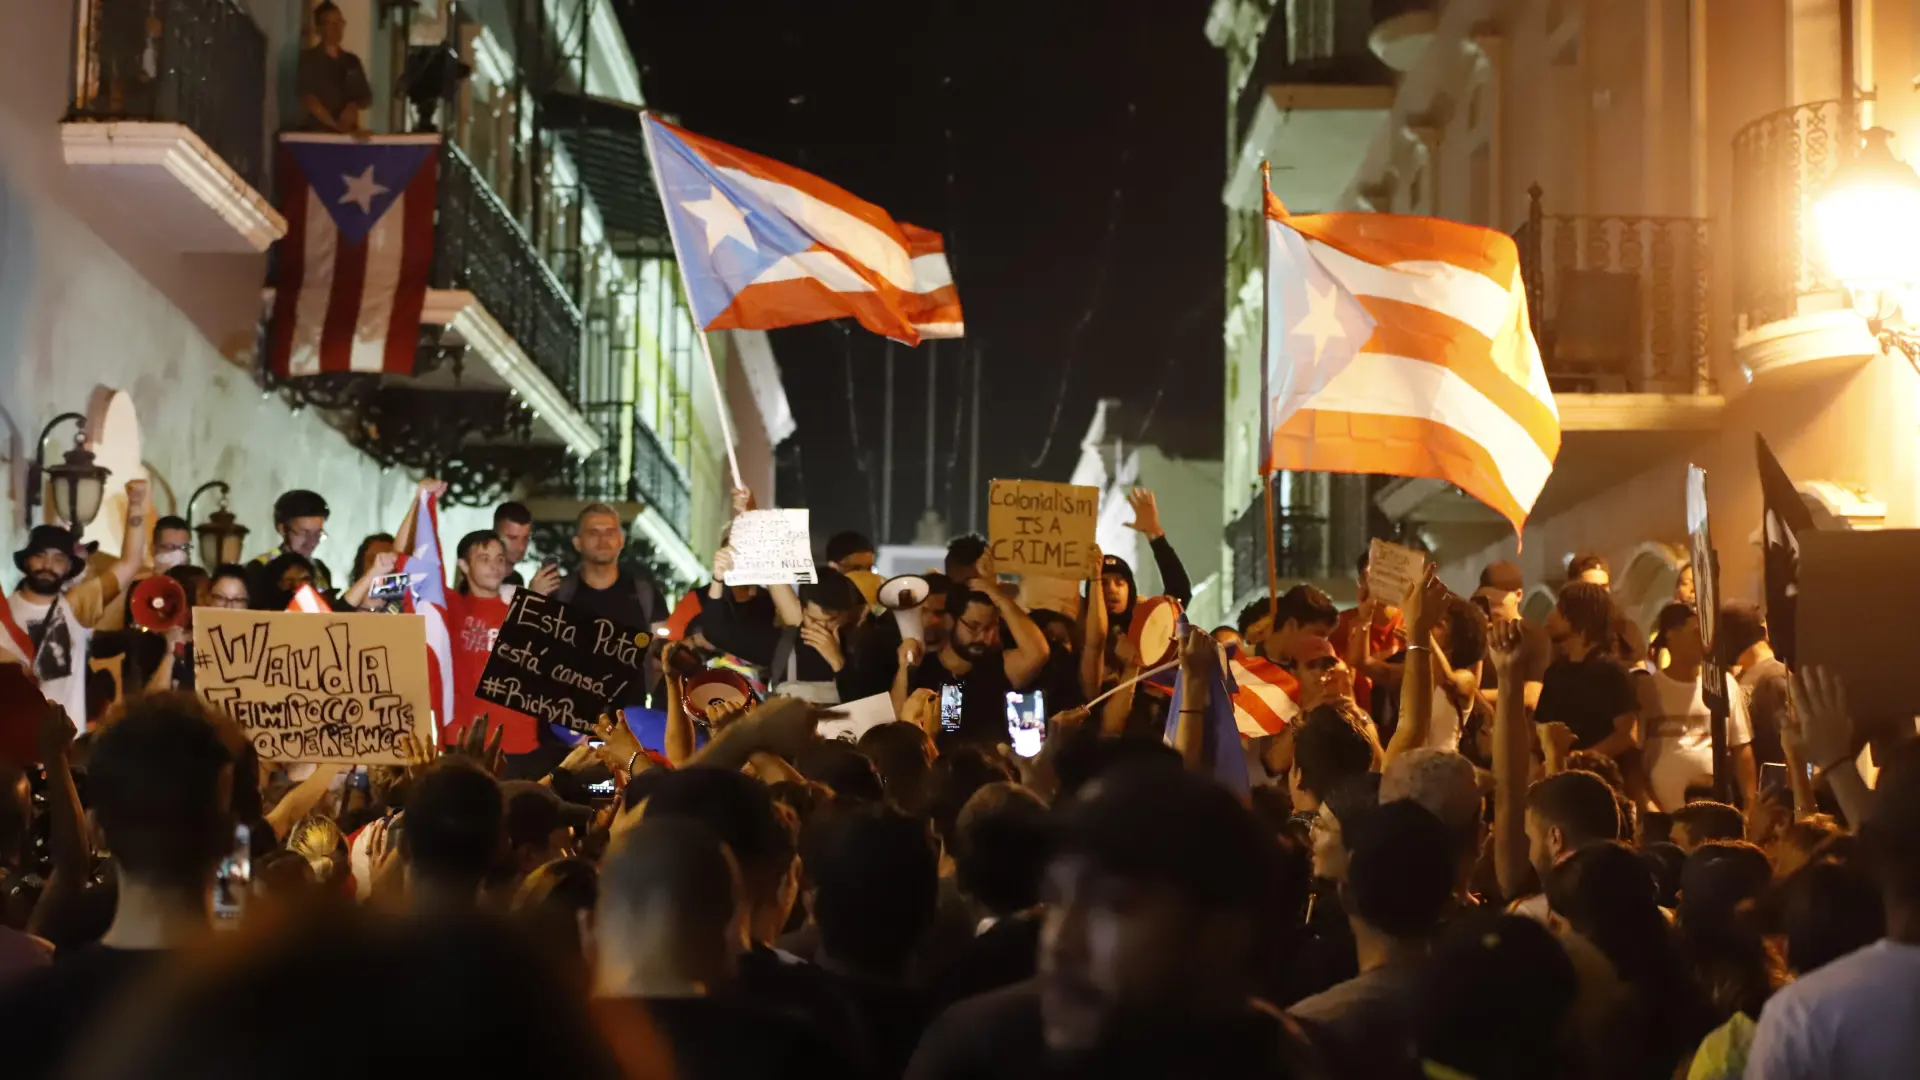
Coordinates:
491	398
1619	304
1300	544
1401	31
1314	100
165	121
1788	312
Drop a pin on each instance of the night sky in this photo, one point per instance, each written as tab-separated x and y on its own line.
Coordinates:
1071	151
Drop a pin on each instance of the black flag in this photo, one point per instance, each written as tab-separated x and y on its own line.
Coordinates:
1784	519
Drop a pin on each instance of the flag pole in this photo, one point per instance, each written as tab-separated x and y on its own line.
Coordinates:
1266	406
699	331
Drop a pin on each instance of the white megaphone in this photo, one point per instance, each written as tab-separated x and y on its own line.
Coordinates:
903	596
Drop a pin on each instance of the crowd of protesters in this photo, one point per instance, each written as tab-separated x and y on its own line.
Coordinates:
1476	846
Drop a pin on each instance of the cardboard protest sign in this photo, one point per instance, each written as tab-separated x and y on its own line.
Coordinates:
1037	527
561	664
771	547
1392	571
340	688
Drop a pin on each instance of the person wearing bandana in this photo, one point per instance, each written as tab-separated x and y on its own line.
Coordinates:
51	614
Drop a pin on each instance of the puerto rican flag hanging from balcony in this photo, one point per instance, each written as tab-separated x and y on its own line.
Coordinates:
354	264
763	245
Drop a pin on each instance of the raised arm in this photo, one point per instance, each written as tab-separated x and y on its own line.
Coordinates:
1029	654
1198	655
67	836
678	743
1512	756
1426	603
1826	730
1093	630
1146	519
133	541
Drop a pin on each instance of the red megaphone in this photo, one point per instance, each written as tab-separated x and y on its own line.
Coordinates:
159	604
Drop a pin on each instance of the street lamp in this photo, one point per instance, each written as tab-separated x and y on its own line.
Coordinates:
76	485
222	538
1869	224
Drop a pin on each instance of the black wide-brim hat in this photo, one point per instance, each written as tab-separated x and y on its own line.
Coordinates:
56	538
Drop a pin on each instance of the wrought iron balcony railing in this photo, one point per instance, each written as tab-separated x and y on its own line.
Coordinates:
480	248
1618	304
643	472
1780	163
657	480
201	63
1300	544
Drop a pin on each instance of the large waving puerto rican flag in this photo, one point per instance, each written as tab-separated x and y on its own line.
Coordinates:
764	245
427	595
353	267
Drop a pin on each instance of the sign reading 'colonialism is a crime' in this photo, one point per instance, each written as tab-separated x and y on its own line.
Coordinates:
561	664
1042	528
317	687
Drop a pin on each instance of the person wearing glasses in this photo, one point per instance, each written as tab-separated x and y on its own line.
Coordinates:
300	517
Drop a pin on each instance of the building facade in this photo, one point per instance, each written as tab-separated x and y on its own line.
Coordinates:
557	363
1656	164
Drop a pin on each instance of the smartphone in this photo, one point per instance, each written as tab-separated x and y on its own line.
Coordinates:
1026	721
390	586
360	779
952	695
605	789
1773	773
235	878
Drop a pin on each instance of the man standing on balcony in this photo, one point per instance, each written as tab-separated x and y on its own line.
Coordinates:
333	85
602	587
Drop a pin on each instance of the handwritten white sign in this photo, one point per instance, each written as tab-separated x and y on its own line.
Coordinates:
1392	571
771	547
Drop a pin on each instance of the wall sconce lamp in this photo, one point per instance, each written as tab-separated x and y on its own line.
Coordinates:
76	485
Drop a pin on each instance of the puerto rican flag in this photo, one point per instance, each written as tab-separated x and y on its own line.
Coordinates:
354	264
1265	698
764	245
427	595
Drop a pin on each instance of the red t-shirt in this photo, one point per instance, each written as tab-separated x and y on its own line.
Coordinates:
1382	641
473	622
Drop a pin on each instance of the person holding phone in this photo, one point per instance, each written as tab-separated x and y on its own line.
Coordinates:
976	660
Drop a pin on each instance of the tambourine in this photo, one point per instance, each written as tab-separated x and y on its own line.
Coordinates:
717	685
1155	630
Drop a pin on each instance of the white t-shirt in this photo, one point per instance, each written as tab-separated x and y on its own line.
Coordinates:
60	656
1854	1017
1676	731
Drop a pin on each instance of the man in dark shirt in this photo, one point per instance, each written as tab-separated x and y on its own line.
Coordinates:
1161	897
974	662
829	658
761	838
666	912
333	86
603	588
1586	688
160	780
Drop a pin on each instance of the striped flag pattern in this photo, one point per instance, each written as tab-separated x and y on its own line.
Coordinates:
1401	345
1265	697
763	245
308	600
426	595
353	268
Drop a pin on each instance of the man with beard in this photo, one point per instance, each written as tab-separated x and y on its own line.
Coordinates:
600	586
49	624
974	664
300	517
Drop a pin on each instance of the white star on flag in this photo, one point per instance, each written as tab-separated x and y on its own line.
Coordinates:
1322	321
721	218
362	190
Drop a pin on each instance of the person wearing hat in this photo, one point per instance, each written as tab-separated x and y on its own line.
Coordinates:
539	824
1501	586
50	617
300	517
